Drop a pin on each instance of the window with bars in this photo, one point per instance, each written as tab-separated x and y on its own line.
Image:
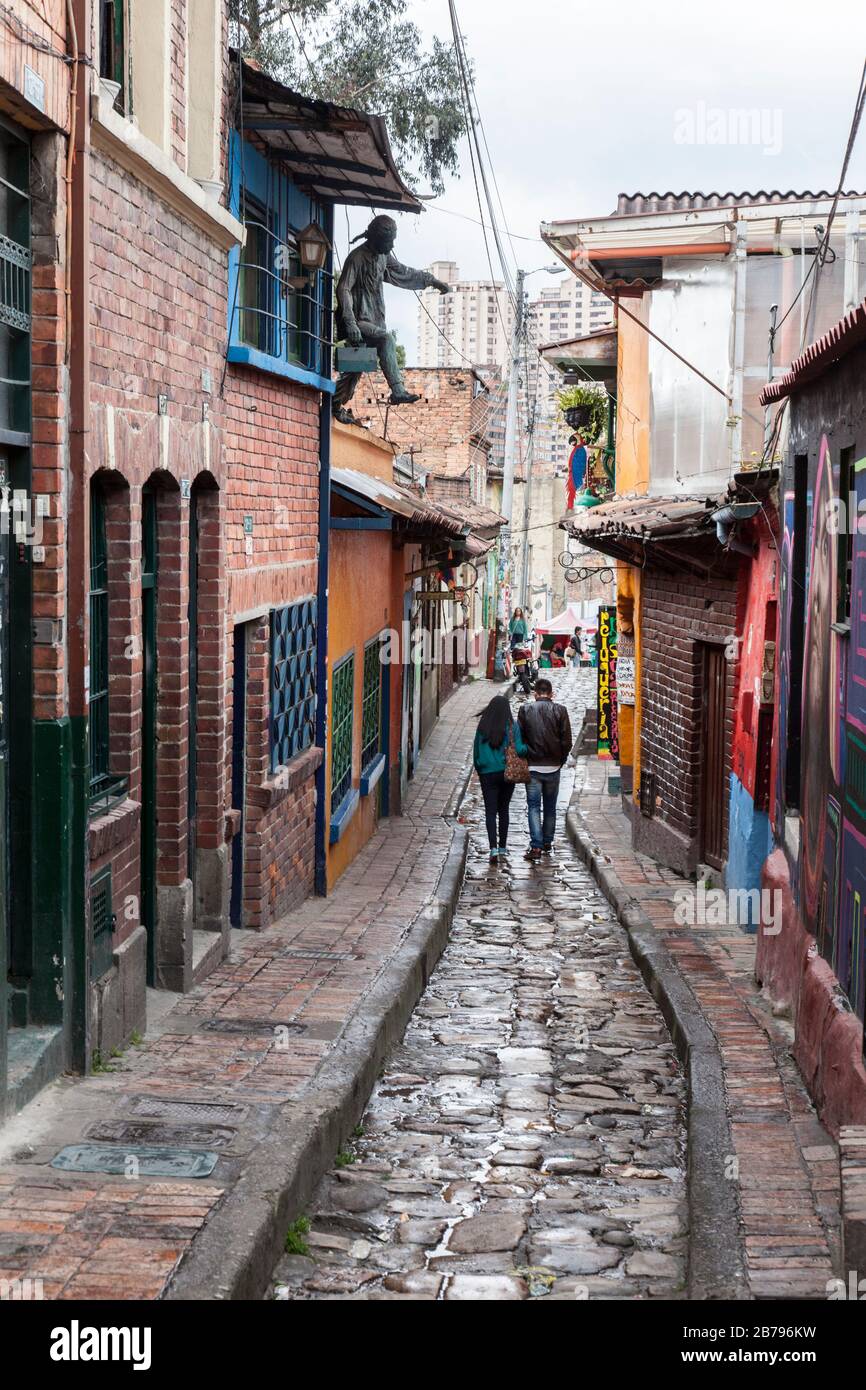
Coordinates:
98	723
104	788
287	322
342	727
371	703
15	284
293	681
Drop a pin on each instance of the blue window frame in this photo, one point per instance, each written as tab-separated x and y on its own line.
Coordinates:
274	325
293	681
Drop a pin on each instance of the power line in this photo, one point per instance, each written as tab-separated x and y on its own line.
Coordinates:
451	212
825	244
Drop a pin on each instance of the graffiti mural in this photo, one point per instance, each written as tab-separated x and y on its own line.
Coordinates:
607	723
829	880
820	715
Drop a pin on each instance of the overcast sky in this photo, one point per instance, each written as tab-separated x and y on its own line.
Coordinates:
581	102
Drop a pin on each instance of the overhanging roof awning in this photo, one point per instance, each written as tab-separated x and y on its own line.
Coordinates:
592	355
332	152
414	517
676	533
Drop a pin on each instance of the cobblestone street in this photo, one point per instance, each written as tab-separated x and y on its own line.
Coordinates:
527	1137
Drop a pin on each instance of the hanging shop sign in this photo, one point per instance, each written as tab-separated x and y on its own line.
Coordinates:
608	745
625	670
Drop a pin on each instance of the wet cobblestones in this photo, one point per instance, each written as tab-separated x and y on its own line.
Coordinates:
527	1138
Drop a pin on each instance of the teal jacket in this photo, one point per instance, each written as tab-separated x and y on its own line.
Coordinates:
519	628
487	759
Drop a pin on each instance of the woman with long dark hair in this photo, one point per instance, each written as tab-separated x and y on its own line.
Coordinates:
496	727
518	628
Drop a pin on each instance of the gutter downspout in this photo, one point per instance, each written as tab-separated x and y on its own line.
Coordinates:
78	339
325	413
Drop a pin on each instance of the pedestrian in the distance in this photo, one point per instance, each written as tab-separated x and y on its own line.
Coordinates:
518	629
496	727
546	730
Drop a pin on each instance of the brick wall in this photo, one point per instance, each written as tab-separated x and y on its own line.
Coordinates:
679	613
445	428
159	293
34	33
272	453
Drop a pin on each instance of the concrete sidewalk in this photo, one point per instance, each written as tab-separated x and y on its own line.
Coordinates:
761	1157
269	1063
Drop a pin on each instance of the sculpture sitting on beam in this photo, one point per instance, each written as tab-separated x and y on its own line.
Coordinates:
361	309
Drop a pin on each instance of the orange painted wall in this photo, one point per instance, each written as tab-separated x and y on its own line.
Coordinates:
359	607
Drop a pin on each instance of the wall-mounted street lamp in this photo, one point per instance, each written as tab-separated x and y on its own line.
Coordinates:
313	248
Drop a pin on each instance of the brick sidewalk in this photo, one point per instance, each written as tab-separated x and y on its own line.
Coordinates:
788	1182
220	1063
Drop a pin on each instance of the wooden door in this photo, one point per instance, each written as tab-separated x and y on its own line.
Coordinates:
714	788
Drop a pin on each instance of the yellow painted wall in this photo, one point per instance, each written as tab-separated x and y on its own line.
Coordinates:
632	476
354	447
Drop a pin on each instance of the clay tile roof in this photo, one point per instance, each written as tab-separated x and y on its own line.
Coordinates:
819	356
644	516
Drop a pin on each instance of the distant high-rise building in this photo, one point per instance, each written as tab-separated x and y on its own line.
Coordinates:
471	325
559	312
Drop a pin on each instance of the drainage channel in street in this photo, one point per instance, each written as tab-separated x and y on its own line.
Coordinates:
527	1138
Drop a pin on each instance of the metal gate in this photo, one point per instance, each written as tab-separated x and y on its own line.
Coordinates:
713	760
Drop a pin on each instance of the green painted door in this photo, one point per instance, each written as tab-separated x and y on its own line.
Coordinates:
8	953
149	569
16	791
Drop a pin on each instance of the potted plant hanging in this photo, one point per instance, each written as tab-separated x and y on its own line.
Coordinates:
584	409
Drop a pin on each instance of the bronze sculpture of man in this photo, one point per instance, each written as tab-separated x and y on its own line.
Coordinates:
361	308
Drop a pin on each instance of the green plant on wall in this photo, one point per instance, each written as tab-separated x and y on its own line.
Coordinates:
592	398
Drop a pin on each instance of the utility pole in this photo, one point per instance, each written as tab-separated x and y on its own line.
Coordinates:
505	572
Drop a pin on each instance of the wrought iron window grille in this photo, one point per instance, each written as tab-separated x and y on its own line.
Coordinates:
293	681
342	729
371	703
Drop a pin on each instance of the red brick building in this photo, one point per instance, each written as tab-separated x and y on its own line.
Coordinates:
37	967
444	433
443	442
161	599
154	293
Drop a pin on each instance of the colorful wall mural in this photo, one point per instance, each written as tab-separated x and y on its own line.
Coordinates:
829	876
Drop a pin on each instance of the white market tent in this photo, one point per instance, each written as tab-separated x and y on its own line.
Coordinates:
563	624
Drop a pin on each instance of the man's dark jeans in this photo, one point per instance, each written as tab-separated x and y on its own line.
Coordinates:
544	788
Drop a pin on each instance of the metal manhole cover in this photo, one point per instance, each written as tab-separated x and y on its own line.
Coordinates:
251	1025
201	1111
128	1132
135	1160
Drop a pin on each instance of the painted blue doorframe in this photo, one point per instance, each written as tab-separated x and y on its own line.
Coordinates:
325	416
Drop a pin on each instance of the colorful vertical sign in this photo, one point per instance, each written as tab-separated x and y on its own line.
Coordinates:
608	743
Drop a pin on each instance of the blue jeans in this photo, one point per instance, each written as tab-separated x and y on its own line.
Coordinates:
543	787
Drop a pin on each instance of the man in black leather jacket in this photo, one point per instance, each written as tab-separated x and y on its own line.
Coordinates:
546	730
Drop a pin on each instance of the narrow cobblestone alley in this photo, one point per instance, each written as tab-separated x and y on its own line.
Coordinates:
527	1137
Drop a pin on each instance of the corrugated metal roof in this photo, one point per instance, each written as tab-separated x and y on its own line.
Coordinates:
333	153
819	356
635	203
465	523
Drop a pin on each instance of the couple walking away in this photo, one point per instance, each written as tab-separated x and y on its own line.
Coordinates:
541	734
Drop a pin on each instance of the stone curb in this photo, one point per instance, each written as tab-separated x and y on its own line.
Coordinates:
235	1254
716	1264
